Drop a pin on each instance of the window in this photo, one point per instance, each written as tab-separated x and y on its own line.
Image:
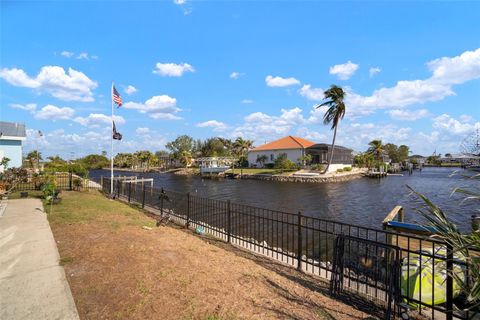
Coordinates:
272	157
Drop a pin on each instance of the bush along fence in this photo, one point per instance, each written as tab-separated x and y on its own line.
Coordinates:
62	181
401	273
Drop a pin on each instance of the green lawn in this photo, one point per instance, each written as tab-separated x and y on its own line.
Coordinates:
92	207
260	171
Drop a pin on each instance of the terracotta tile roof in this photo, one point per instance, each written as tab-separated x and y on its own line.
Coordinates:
289	142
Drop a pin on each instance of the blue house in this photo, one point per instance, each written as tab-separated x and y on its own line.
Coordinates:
11	137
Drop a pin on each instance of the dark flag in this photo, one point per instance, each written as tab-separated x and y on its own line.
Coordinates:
116	135
116	97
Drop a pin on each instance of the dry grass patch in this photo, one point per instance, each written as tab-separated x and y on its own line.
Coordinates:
117	270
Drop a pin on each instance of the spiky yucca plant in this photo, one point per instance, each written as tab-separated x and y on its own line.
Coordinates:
466	245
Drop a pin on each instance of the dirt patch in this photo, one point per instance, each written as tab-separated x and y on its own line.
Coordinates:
117	270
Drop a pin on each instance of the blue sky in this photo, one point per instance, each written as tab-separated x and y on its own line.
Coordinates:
239	68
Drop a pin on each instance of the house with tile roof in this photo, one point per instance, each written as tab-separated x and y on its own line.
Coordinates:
293	147
12	135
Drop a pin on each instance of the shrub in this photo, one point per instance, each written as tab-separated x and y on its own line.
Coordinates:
269	165
77	183
318	167
339	170
347	169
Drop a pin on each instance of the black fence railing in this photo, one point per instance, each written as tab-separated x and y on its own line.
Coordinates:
425	282
63	181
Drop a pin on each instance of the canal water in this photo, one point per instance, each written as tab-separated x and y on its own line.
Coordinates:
364	202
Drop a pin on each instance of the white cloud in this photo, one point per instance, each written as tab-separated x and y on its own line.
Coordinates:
157	107
344	71
374	71
409	115
259	125
179	2
130	90
314	94
235	75
453	126
280	82
83	55
172	69
94	120
446	72
51	112
67	54
26	107
247	101
456	70
71	86
214	124
142	131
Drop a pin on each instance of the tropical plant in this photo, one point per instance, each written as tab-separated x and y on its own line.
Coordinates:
261	159
335	112
241	147
34	158
4	162
77	183
305	160
186	158
465	245
376	148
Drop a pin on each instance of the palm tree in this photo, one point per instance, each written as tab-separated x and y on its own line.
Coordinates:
335	112
186	158
376	149
241	147
34	158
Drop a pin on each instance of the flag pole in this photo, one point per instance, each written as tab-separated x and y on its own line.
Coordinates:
111	145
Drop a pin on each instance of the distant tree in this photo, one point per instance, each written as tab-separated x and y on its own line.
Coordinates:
94	161
181	146
213	147
104	153
227	145
34	157
376	149
403	152
240	148
392	151
334	114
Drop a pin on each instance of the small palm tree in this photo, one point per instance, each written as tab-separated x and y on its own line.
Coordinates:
241	147
376	149
335	112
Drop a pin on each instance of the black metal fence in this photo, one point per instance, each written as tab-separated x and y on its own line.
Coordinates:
425	281
63	181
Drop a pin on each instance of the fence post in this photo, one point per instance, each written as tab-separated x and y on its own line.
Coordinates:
101	183
162	194
129	191
143	196
449	263
187	224
229	220
70	181
299	241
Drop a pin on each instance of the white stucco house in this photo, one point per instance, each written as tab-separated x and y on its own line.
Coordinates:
12	135
293	147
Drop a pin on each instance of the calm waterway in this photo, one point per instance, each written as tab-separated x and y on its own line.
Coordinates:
363	202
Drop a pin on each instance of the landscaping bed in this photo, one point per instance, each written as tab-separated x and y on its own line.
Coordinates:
117	269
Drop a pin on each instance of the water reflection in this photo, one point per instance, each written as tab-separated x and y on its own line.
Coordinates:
363	201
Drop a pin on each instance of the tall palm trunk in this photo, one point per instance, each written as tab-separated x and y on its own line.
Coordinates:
333	148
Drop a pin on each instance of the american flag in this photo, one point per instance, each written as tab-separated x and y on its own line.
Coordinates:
116	97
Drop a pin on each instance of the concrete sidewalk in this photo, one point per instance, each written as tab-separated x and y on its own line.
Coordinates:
32	283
